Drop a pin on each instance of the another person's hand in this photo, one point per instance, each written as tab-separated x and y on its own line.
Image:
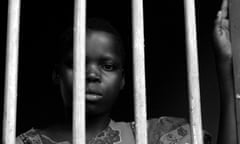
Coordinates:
222	36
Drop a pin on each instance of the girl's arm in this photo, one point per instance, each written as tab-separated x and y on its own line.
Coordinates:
227	124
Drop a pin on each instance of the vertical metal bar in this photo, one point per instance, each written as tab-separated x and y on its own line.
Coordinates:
79	72
234	15
10	103
193	75
139	72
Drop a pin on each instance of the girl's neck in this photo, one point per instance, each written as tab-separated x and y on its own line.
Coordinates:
94	123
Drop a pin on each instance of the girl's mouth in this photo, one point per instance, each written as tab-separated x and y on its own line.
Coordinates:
93	96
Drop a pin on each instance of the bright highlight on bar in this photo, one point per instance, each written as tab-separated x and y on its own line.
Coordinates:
79	72
193	76
11	73
139	72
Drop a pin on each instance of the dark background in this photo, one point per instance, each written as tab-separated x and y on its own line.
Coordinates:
39	103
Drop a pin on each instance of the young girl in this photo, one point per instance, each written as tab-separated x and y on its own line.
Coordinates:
104	81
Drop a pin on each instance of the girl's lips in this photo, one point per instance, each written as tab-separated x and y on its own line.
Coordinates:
93	97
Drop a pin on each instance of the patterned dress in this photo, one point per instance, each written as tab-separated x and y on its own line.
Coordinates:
164	130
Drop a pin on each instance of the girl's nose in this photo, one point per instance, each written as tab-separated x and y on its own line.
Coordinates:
93	74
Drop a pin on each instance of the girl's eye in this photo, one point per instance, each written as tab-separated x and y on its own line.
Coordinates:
108	67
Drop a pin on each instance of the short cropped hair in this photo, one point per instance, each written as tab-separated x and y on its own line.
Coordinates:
65	42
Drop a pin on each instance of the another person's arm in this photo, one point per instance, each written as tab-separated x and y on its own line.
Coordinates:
227	124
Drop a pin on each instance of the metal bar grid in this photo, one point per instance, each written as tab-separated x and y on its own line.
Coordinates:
79	72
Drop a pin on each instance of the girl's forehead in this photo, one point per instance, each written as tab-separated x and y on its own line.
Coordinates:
100	36
100	41
97	41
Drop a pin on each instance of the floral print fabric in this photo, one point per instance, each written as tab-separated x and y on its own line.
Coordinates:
164	130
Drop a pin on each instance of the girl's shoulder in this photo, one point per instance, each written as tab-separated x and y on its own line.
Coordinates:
34	136
167	130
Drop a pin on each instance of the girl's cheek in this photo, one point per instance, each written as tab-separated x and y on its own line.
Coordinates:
114	80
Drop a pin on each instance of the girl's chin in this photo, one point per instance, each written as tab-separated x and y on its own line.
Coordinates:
95	110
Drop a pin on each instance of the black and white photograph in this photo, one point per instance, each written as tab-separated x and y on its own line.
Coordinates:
120	72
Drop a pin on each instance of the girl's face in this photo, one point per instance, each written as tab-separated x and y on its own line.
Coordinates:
104	73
